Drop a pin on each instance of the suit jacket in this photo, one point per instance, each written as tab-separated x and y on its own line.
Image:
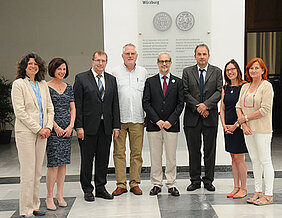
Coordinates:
89	106
160	107
26	106
212	94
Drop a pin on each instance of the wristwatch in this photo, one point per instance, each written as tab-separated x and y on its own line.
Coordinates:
246	118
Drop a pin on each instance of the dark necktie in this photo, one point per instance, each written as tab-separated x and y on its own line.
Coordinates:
164	85
202	82
101	87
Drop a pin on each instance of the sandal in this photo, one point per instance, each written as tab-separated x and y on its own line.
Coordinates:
230	195
269	200
256	196
236	196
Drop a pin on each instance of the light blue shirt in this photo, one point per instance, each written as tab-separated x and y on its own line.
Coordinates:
204	73
162	80
38	97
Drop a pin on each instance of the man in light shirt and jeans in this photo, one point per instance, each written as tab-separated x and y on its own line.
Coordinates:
130	80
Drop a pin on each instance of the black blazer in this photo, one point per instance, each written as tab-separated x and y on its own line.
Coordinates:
89	106
192	96
160	107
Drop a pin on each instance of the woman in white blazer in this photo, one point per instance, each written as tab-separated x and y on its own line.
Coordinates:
34	114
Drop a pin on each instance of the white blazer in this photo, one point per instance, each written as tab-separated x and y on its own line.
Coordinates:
26	106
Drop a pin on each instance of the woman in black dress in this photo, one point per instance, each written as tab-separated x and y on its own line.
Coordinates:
59	143
233	134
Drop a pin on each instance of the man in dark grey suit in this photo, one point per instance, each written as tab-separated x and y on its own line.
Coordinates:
202	91
97	120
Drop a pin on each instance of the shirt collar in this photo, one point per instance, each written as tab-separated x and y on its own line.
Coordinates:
127	69
96	74
161	75
206	68
29	79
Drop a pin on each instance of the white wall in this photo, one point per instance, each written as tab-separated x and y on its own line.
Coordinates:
227	38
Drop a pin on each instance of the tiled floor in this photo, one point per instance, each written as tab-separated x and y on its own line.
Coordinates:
199	203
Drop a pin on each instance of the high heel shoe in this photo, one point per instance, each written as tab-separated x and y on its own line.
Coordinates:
50	207
62	204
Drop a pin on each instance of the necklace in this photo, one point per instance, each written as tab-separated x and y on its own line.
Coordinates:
232	89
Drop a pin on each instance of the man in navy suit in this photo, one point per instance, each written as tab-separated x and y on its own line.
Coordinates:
163	103
97	120
202	91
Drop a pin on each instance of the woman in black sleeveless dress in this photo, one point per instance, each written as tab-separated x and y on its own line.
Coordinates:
59	143
233	134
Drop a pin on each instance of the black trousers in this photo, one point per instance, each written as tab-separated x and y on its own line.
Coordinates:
97	146
194	142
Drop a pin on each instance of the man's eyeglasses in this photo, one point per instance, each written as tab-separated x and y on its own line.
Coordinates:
128	54
164	61
231	69
99	61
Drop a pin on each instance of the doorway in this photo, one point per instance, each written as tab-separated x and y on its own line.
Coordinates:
263	38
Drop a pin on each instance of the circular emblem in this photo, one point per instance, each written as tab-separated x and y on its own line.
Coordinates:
162	21
185	21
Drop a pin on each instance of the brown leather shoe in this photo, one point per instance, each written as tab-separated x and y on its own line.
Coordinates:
173	191
119	191
155	190
136	190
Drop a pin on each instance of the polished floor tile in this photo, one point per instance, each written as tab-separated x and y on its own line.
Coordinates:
199	203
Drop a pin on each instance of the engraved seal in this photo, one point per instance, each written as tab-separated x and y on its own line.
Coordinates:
162	21
185	21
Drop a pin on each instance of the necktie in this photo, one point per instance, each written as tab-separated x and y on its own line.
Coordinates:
164	85
202	82
101	87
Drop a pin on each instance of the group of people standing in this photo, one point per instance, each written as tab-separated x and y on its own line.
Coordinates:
102	106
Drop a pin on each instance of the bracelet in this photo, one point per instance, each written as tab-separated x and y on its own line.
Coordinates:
71	126
56	128
236	124
246	118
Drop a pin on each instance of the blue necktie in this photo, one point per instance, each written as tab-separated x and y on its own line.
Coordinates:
101	87
202	82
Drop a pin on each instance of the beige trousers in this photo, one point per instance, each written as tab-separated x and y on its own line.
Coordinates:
156	141
136	133
31	151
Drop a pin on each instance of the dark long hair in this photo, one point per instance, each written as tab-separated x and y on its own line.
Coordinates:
239	73
22	64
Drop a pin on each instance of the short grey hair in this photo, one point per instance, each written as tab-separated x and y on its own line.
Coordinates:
128	44
162	53
202	45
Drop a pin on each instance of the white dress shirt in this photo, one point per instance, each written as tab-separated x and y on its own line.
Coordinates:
130	92
102	78
96	78
204	73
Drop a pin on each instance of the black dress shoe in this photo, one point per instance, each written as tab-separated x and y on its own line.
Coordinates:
209	187
38	212
89	197
155	190
104	194
193	186
173	191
